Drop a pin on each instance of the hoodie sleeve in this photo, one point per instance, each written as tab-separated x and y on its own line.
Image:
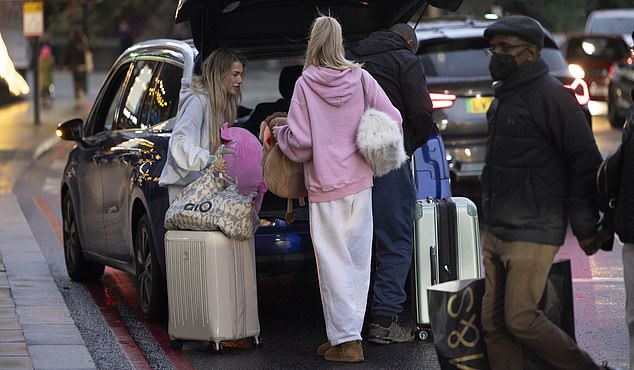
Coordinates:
184	147
380	101
295	139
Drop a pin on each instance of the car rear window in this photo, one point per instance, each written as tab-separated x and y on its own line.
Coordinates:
467	58
596	47
261	80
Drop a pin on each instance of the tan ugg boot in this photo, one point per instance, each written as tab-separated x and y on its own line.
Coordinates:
323	348
345	352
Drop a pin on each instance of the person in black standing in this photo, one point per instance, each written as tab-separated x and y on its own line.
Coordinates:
624	217
390	58
75	61
539	177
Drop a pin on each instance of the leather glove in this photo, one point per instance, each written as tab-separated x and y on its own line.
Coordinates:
591	245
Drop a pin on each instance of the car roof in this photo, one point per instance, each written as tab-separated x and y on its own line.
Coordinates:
460	29
609	13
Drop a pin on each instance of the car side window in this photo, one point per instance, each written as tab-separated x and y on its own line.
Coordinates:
104	115
161	103
136	90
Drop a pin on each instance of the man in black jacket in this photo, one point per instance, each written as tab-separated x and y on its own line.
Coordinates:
390	58
538	177
624	217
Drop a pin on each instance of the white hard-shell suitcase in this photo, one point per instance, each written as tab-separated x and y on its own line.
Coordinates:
447	247
211	288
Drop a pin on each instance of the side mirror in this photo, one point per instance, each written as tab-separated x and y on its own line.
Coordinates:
71	129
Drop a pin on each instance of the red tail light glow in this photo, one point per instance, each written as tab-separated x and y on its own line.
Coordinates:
440	101
580	88
610	72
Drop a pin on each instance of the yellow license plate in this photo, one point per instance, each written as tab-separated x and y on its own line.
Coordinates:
479	105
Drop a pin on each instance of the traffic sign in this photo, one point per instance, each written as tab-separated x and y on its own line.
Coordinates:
33	18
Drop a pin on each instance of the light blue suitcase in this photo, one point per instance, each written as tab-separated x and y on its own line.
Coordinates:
446	247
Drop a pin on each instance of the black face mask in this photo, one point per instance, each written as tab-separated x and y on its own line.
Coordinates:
502	66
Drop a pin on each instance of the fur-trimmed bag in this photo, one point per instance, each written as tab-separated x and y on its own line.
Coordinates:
379	139
282	176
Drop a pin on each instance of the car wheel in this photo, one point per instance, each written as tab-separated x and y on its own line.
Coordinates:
78	268
151	287
616	120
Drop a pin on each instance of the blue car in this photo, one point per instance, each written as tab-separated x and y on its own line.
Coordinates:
112	206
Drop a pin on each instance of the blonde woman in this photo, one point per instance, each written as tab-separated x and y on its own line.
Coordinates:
325	110
213	100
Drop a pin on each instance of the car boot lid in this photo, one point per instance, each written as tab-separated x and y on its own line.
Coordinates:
281	25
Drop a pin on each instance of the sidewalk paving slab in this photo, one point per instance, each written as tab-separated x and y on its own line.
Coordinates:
36	327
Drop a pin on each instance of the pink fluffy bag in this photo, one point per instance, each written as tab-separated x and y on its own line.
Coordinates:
248	150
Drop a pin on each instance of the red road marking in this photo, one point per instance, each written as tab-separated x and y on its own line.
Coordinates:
53	219
129	347
159	332
108	309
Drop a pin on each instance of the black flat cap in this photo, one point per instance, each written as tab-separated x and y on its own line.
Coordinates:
526	28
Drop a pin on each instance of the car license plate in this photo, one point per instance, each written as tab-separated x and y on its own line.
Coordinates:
479	105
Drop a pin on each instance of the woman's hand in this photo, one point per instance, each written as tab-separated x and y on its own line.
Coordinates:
274	132
267	137
219	165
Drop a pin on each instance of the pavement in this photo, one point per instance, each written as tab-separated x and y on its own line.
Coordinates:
36	328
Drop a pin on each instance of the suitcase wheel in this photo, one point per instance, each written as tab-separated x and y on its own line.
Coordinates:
176	344
216	347
255	342
423	334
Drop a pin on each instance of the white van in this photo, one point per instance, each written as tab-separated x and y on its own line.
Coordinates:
612	21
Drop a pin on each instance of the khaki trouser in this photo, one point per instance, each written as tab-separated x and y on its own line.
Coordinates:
515	279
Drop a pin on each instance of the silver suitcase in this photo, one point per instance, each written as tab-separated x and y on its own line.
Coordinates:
211	287
447	247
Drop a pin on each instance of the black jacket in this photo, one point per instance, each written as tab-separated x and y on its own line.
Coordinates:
541	161
624	211
388	58
75	53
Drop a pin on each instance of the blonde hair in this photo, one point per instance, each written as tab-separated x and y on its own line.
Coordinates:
223	106
325	46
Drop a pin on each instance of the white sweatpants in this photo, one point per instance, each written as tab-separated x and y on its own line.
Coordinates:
628	275
341	231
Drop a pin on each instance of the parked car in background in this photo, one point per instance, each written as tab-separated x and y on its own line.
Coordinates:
112	206
621	89
611	21
590	56
458	79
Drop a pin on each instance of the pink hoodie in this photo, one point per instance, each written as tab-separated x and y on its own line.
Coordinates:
325	110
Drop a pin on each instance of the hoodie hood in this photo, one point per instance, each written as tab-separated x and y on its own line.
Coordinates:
379	42
333	86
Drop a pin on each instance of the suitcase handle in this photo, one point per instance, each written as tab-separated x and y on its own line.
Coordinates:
222	150
432	264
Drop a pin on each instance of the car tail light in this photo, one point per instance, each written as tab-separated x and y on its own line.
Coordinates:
580	88
440	101
610	72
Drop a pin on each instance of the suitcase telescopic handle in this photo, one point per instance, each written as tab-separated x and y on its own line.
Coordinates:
222	150
432	264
